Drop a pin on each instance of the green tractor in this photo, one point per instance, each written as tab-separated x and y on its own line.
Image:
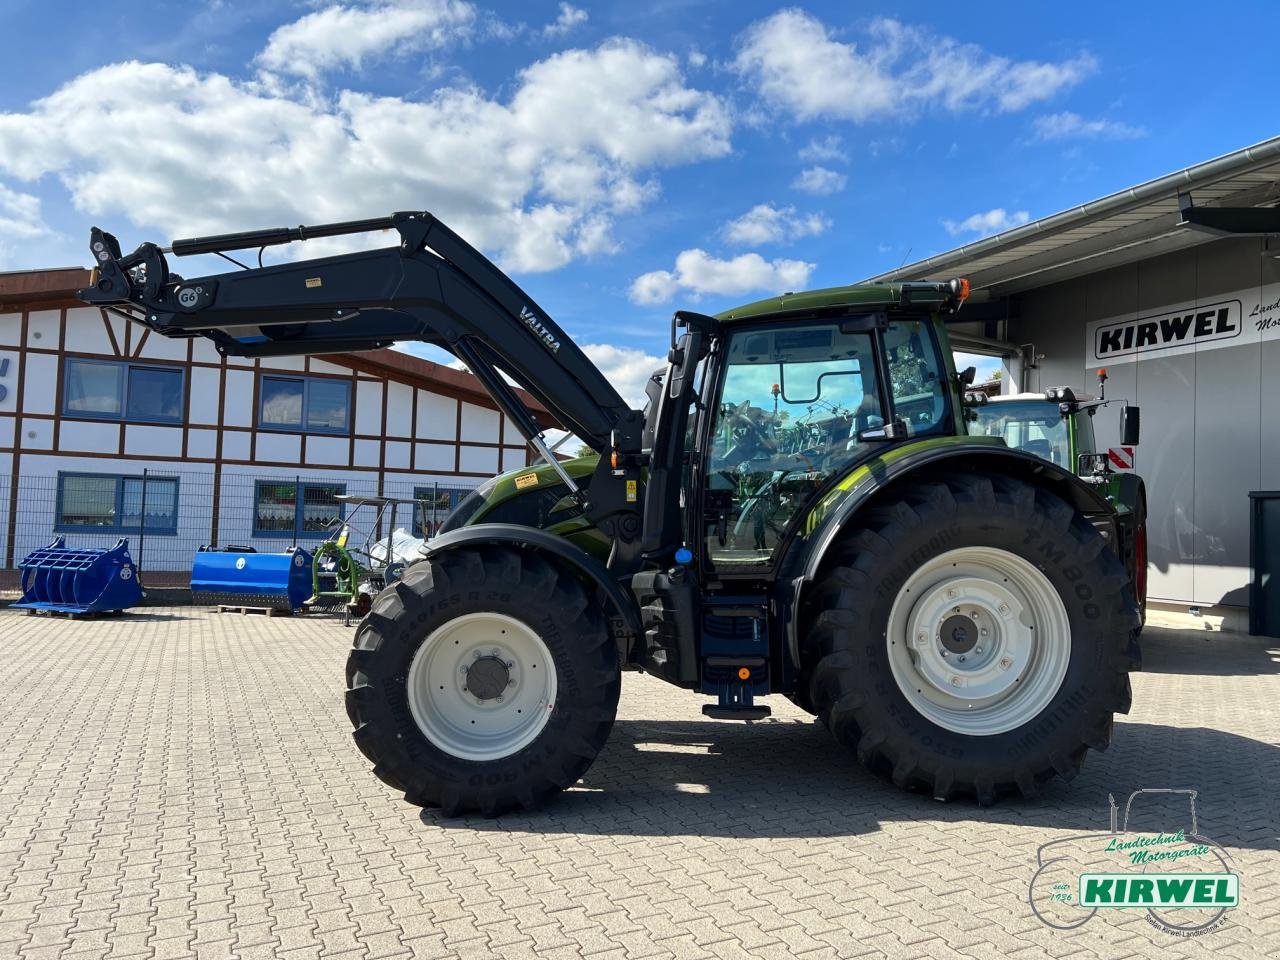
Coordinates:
1057	425
798	509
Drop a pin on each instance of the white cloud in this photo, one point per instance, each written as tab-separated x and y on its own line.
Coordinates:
1072	126
698	273
765	223
797	66
987	223
819	181
344	36
568	20
535	178
20	220
626	368
826	150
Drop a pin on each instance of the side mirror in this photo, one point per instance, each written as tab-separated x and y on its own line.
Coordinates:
1130	426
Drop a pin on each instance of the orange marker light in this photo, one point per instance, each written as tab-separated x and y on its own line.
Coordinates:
1102	372
963	295
613	460
744	673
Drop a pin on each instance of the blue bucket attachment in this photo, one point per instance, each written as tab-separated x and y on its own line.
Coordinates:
63	579
241	577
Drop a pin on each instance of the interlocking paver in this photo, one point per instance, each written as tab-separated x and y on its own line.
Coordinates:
174	783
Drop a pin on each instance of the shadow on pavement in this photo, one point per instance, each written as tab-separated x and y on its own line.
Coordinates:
789	778
1209	654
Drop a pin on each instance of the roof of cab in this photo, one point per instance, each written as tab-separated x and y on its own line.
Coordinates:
854	295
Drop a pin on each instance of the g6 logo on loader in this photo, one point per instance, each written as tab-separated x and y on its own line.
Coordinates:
1182	879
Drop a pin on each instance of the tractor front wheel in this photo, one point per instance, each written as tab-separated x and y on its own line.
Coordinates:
483	680
973	638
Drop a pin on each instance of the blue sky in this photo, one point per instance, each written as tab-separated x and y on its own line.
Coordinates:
622	160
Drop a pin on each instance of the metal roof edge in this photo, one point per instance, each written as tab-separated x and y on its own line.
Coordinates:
1207	171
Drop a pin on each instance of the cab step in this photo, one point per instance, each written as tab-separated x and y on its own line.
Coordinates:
753	712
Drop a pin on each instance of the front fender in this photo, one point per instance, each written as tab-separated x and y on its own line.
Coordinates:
587	567
842	504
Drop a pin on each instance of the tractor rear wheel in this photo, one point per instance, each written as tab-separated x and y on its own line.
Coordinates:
484	679
973	637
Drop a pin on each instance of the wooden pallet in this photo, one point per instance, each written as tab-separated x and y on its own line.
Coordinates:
244	610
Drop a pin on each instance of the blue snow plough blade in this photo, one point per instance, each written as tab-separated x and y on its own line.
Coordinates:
242	577
62	579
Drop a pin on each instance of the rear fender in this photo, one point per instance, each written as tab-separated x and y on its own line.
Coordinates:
881	477
624	618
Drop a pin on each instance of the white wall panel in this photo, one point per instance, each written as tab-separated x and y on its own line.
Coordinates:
368	452
437	417
327	451
159	348
434	456
8	426
369	408
78	436
479	424
512	458
148	441
398	455
204	395
86	332
280	447
41	384
478	460
323	366
202	443
235	445
238	402
10	329
42	329
399	410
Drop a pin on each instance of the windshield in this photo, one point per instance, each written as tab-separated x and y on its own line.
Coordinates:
1036	426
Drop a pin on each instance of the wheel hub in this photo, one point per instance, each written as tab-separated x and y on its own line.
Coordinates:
488	678
959	634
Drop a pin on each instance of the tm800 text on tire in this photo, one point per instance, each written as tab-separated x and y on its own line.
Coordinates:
974	637
484	679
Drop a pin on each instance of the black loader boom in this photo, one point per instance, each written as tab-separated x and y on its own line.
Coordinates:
798	510
432	287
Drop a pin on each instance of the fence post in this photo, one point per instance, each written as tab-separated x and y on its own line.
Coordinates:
435	503
142	521
299	507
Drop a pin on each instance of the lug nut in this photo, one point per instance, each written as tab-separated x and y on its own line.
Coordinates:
973	614
977	650
1005	663
944	653
983	632
922	637
952	593
956	682
1003	608
962	658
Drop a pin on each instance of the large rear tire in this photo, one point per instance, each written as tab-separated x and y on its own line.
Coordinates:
973	637
482	680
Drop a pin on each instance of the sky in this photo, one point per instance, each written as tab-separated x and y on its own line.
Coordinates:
620	160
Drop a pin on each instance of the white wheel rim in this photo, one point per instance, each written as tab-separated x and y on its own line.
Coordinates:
979	641
514	681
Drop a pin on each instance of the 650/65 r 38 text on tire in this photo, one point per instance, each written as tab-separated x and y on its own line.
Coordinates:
973	637
483	680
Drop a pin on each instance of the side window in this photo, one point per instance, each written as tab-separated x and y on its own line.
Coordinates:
793	401
915	380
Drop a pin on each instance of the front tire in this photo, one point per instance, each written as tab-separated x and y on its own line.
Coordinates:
483	680
923	655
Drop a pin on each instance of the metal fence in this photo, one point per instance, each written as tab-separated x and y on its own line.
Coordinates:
168	516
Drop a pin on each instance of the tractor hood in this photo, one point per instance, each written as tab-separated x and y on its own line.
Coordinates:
505	487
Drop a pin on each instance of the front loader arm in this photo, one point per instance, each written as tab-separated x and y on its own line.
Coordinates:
432	287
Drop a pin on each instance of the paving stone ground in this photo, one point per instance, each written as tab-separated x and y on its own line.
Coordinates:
179	783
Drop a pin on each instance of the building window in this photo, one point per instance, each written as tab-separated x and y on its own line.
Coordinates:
285	509
104	389
305	404
100	503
